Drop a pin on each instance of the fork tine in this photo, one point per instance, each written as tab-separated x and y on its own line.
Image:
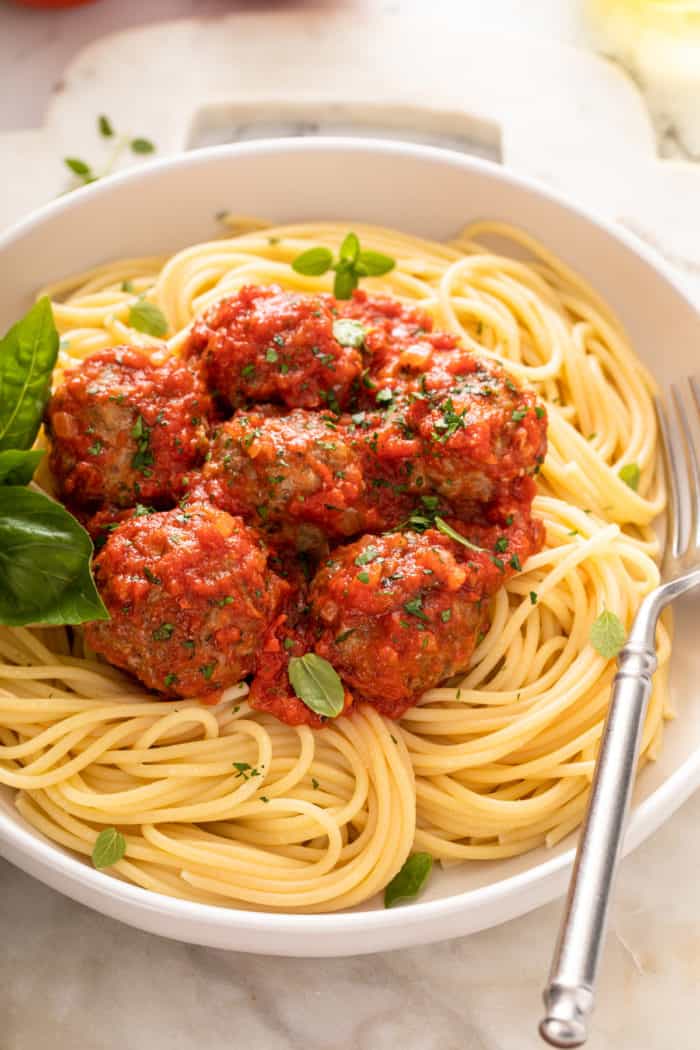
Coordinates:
673	458
693	469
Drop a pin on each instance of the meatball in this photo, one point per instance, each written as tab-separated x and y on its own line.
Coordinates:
282	473
191	596
399	613
465	432
394	332
124	430
291	634
264	344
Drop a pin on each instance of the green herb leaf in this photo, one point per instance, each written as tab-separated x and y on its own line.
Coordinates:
366	556
349	332
415	608
104	125
630	474
607	634
313	262
45	574
28	354
410	880
142	146
350	248
447	530
345	282
77	166
146	317
110	846
17	467
376	263
317	684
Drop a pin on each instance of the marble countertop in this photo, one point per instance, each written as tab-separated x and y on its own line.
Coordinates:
72	978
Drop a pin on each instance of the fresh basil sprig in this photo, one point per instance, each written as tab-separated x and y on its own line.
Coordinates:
45	555
45	574
317	684
352	264
86	173
630	474
28	354
607	635
17	466
147	317
410	880
110	846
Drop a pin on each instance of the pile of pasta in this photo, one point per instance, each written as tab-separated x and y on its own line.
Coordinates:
225	805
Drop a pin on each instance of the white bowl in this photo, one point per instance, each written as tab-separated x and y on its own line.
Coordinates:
429	192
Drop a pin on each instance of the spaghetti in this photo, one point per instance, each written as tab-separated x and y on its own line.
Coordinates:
226	805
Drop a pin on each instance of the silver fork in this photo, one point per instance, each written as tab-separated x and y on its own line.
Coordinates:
569	994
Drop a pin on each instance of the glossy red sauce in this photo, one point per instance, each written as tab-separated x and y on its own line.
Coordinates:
309	511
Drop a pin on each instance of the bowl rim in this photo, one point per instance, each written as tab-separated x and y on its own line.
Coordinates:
646	816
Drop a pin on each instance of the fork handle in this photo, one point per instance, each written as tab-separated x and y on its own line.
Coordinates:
568	997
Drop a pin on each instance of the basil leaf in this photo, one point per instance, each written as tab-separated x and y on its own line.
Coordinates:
146	317
630	474
314	262
350	248
348	332
410	880
28	354
376	263
607	634
104	125
447	530
110	846
77	166
45	574
142	146
317	683
17	467
345	282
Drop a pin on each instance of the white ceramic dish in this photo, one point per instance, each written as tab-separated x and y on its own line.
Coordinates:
429	192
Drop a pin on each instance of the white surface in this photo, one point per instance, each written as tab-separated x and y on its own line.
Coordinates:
75	979
429	193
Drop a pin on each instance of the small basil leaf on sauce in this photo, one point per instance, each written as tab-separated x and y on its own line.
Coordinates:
350	248
317	684
147	317
348	332
314	262
630	474
376	264
410	880
447	530
110	846
45	574
607	634
17	467
28	354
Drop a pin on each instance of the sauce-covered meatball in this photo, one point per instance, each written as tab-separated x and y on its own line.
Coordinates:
191	596
264	344
284	472
400	613
466	434
124	430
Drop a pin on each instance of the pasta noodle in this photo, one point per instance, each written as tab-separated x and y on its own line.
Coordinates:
225	805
